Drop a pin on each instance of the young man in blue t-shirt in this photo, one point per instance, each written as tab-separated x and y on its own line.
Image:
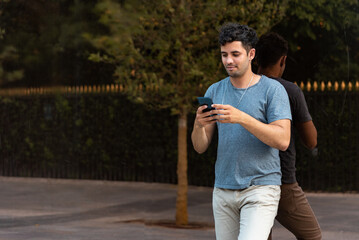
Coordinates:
252	115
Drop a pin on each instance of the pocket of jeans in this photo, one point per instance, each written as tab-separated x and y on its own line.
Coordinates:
272	190
216	193
276	189
286	202
217	198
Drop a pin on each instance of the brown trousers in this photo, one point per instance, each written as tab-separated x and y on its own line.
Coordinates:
296	215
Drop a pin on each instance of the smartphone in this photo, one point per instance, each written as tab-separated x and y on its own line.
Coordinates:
205	101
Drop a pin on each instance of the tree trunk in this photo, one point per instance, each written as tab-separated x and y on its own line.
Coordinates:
182	188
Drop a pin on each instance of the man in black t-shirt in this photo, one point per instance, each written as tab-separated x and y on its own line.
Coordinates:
294	211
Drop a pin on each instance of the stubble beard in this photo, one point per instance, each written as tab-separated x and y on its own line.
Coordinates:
236	74
239	72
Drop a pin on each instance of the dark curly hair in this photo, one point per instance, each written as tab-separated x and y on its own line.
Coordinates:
270	48
231	32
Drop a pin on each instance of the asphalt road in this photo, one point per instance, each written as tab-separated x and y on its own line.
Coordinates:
33	208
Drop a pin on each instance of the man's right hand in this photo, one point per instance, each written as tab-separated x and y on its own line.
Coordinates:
203	129
203	118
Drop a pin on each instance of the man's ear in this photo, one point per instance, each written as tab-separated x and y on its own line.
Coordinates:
252	54
283	59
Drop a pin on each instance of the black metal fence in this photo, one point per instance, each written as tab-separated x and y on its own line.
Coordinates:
96	133
336	167
87	136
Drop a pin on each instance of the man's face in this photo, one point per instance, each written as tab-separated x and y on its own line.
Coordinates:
235	58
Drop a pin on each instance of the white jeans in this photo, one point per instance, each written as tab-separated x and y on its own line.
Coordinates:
246	214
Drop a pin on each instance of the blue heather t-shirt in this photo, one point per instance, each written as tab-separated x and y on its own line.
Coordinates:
242	159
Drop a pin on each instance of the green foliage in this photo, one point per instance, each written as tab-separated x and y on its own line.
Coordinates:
47	38
330	15
170	47
323	40
157	43
7	57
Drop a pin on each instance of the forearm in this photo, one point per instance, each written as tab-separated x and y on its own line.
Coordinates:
275	134
308	133
200	139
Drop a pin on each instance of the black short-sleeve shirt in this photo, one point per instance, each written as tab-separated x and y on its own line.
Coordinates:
300	114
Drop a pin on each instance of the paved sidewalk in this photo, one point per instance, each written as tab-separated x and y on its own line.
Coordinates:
79	209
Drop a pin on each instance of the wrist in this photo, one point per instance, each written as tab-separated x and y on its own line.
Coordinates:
198	125
240	117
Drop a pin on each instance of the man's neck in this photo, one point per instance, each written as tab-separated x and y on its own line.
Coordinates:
269	72
244	81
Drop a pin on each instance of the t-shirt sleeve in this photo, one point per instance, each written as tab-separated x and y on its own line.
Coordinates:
278	107
209	92
300	108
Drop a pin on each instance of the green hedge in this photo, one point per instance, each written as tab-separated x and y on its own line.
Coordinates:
105	136
89	136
